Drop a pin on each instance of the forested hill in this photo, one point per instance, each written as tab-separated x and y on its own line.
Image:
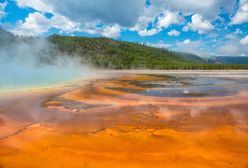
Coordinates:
108	53
112	54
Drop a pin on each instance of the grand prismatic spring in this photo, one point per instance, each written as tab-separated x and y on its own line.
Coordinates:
129	119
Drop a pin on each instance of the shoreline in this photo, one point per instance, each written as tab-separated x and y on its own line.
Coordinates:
104	74
238	74
179	71
57	86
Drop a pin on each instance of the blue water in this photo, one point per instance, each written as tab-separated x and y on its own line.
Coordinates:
17	76
188	86
196	87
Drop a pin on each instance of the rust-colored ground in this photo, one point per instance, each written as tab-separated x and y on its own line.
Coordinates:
102	125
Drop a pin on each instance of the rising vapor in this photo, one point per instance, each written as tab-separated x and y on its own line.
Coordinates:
30	62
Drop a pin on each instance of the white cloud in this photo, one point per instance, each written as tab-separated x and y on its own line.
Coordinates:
111	31
40	5
174	33
233	47
244	41
207	8
228	49
36	23
242	14
238	31
148	16
195	47
2	9
89	14
160	44
187	41
230	36
199	25
146	32
63	23
168	18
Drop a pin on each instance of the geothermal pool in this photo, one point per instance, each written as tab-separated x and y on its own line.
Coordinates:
187	86
129	119
21	76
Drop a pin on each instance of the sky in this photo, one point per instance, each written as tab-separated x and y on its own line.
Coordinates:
206	27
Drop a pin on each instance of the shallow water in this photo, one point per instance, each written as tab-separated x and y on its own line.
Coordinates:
191	86
15	76
110	123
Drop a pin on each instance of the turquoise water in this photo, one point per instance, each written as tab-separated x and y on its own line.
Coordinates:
13	77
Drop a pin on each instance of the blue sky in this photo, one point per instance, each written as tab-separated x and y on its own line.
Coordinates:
206	27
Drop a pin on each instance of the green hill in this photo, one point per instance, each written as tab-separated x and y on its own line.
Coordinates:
112	54
106	53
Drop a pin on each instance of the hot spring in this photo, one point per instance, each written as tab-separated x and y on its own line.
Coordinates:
17	76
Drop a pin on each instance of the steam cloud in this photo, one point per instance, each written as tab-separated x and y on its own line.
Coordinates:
30	62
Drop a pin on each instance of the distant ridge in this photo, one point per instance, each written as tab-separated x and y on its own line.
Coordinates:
191	57
228	60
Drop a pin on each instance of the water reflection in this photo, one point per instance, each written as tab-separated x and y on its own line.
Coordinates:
181	86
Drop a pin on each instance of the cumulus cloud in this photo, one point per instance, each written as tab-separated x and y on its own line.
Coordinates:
134	15
2	9
85	16
148	16
186	42
40	5
244	41
207	8
36	23
146	32
242	14
111	31
168	18
125	13
174	33
63	23
199	25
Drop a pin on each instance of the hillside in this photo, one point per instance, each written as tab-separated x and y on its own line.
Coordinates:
111	54
108	53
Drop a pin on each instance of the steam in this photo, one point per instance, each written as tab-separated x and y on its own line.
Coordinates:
32	62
